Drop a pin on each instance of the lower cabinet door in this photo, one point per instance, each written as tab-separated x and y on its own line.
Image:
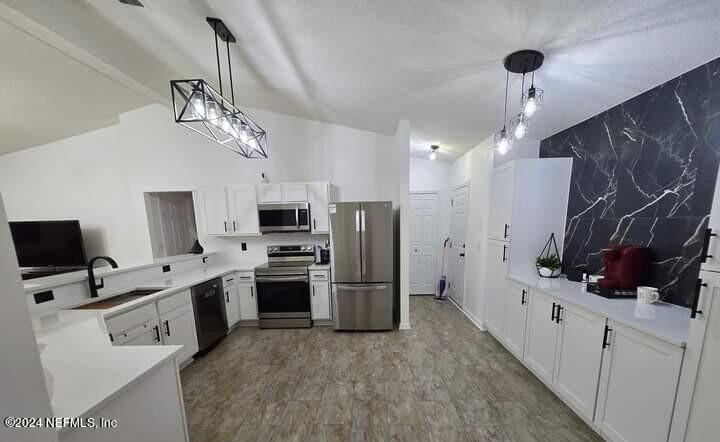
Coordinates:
495	287
579	356
232	304
637	386
178	328
515	315
320	300
247	301
541	337
144	334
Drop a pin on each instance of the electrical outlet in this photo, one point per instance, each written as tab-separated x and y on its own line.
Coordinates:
243	246
166	268
41	297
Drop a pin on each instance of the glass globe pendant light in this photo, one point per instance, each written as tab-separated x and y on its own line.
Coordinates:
532	99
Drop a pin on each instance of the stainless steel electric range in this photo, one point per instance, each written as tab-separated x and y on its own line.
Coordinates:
283	287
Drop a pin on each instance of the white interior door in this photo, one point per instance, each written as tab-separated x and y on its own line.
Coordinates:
456	252
423	243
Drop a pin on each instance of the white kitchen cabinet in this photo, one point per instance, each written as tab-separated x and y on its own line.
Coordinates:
215	211
232	300
516	301
501	200
178	328
697	398
269	193
247	301
711	247
243	210
579	356
319	199
638	382
294	192
542	334
320	295
497	253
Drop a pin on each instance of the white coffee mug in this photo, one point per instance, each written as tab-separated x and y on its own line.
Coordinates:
647	295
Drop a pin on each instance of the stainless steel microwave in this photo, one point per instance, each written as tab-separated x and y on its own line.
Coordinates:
284	217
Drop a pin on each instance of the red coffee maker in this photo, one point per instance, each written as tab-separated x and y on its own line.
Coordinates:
625	267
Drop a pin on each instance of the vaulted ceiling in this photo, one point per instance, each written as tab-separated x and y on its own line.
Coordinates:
369	63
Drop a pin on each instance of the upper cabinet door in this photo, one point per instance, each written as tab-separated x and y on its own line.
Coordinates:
501	200
269	193
215	212
711	258
294	192
317	194
243	210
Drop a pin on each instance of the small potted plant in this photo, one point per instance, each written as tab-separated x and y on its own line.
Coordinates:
548	266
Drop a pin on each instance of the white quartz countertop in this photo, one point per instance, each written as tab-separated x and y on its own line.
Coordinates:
662	320
86	369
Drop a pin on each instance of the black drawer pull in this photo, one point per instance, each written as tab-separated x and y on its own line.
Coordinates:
706	245
552	315
504	257
696	299
558	318
605	343
505	232
522	297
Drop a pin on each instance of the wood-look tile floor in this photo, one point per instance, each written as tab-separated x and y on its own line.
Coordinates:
444	380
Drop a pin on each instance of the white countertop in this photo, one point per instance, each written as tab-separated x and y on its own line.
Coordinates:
664	321
87	370
37	284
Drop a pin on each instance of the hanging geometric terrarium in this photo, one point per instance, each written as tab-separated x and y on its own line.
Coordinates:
201	108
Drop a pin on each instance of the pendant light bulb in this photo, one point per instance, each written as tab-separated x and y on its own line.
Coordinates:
502	144
520	126
530	103
243	133
198	105
433	152
213	111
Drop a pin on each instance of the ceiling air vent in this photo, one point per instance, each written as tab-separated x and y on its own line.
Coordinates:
132	3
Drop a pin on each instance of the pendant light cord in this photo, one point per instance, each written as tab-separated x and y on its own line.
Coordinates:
217	58
232	89
522	89
507	79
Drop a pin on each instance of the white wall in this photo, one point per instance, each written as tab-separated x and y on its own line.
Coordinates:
22	384
99	177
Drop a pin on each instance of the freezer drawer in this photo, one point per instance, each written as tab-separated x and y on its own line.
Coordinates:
363	306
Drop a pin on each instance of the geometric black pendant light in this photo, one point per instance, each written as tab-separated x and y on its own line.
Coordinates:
201	108
525	61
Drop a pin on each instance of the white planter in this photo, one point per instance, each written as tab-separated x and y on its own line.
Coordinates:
548	273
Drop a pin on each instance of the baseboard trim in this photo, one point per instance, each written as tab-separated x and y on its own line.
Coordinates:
476	322
404	326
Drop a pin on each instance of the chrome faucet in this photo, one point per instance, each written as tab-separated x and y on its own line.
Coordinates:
91	274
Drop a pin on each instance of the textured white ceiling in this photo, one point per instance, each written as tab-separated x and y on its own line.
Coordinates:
369	63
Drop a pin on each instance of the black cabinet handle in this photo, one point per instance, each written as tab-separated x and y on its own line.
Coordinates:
225	224
234	226
605	343
252	292
314	224
167	328
157	332
558	319
505	233
552	315
313	290
227	297
706	244
462	255
504	258
696	299
522	297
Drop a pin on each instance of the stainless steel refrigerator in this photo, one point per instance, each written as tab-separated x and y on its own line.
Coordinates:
361	236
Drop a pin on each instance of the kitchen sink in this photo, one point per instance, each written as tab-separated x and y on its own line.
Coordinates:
122	298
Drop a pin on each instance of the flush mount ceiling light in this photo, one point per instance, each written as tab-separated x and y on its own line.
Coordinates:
525	61
433	151
201	108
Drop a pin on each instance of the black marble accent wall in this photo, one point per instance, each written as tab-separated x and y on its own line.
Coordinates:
644	173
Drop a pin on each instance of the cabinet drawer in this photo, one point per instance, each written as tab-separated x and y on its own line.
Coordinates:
229	280
125	321
174	301
319	275
244	276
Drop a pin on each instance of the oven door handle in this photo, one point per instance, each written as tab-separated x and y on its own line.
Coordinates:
281	278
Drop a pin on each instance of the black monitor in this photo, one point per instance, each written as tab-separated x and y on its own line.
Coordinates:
48	243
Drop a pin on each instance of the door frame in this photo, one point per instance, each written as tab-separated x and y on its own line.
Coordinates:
453	190
437	271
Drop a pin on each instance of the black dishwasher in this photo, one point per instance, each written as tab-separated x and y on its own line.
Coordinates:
209	307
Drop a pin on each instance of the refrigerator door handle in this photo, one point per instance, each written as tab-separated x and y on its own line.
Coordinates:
357	221
361	288
363	245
